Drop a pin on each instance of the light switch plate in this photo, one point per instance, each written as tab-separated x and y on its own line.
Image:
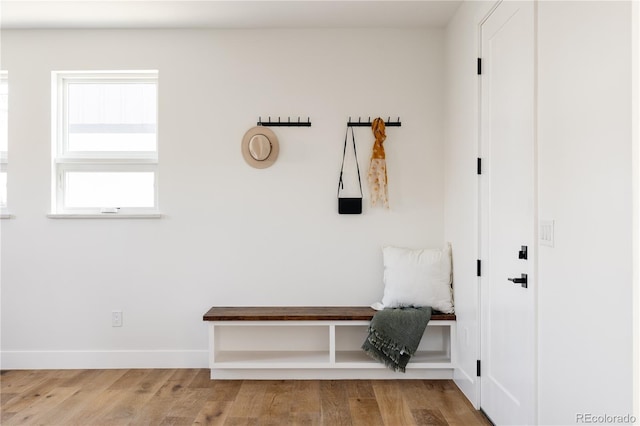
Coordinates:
546	233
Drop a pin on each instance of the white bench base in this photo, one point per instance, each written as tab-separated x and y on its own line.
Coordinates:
323	349
328	374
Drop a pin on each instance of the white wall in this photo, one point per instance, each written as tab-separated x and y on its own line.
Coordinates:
461	183
231	235
584	164
585	184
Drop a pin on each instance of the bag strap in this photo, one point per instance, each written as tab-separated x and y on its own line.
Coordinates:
344	153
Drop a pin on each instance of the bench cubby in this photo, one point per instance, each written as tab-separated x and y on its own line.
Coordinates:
314	343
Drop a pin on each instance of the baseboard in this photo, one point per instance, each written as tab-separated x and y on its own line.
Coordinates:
44	360
468	385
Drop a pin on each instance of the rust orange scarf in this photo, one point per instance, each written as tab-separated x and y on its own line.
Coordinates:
378	168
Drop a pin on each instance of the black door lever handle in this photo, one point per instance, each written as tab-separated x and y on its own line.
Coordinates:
522	280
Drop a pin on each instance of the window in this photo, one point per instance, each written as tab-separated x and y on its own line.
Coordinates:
4	138
105	143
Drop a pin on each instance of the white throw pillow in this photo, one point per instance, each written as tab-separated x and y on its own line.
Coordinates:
420	277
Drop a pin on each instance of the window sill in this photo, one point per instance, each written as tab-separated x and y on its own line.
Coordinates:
6	216
104	216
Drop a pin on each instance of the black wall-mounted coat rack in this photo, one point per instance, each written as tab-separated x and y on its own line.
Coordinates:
367	123
287	123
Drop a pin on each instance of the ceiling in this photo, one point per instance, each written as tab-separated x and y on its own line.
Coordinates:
29	14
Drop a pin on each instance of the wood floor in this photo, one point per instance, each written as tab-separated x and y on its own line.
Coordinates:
188	396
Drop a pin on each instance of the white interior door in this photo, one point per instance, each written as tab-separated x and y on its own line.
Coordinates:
507	390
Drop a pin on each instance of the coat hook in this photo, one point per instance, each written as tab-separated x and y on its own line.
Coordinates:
369	120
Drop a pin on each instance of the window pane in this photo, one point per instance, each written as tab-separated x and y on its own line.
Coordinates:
4	108
3	189
109	189
111	116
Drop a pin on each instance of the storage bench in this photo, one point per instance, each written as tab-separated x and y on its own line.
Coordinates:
315	343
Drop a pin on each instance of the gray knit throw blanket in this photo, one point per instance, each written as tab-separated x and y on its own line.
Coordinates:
394	335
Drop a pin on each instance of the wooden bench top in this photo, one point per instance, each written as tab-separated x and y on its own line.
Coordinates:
301	313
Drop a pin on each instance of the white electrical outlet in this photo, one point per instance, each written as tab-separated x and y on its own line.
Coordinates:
116	319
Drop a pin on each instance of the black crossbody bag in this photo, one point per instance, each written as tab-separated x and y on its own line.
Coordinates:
349	205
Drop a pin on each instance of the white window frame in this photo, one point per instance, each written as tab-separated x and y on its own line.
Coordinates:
65	161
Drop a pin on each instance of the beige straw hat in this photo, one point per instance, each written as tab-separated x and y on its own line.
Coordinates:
260	147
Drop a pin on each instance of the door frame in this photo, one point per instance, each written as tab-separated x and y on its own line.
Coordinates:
635	147
482	224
